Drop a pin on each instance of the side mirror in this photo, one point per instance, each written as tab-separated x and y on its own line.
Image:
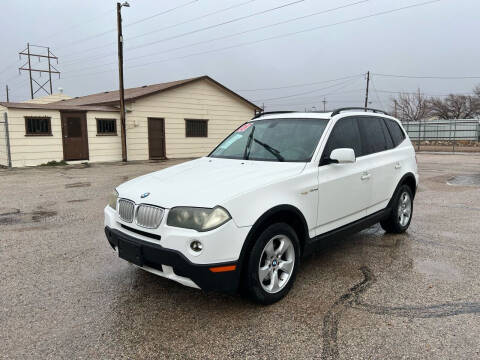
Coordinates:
343	156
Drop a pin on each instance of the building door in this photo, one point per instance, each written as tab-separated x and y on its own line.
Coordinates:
75	137
156	138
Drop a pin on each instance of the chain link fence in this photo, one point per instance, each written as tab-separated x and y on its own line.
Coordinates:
462	135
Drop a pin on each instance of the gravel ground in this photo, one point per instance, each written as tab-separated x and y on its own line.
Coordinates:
64	293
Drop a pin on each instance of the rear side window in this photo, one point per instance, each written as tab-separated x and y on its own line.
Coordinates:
374	137
387	136
397	133
345	134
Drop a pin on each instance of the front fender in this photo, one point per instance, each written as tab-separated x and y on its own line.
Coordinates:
300	191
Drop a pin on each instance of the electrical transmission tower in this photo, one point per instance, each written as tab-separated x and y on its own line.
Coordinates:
51	69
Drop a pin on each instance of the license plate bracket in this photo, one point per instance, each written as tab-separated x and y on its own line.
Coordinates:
130	252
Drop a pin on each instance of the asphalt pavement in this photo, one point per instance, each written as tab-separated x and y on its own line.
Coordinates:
65	295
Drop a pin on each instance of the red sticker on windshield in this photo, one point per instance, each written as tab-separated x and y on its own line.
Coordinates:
244	127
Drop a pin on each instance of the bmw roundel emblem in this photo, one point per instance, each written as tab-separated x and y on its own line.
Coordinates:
144	195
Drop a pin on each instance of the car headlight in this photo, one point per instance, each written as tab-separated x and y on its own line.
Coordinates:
112	200
200	219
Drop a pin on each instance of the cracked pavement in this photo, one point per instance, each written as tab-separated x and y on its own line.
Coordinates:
64	294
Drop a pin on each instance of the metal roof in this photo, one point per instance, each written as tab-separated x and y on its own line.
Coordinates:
58	106
113	97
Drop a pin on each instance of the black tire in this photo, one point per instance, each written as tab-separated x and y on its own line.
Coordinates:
393	224
252	285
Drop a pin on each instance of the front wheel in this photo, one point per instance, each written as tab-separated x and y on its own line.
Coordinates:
401	214
273	263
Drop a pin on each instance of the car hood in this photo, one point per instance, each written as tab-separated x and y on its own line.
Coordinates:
205	182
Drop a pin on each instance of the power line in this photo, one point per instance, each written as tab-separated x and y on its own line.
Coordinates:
338	91
234	34
348	82
9	66
128	24
64	30
376	94
429	77
273	37
304	84
164	28
219	24
426	94
207	27
192	19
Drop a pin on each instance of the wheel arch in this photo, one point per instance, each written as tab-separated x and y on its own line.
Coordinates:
407	179
288	214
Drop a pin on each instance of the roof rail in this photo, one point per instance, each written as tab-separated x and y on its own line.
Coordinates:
338	111
272	112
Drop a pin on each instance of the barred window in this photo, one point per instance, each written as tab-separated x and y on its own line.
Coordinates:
106	127
37	126
196	128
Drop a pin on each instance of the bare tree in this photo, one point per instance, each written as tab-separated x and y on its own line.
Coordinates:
456	106
411	106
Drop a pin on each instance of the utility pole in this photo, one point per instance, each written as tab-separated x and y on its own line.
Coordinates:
396	106
49	55
120	78
29	70
6	88
324	104
366	92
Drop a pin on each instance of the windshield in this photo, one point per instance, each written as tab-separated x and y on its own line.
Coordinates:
291	140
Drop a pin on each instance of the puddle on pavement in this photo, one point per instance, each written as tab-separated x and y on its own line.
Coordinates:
8	211
77	185
25	218
465	180
437	269
77	200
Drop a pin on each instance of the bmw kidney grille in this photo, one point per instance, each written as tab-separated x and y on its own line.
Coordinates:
126	210
148	216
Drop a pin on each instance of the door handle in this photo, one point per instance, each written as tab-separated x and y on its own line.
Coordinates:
365	176
398	165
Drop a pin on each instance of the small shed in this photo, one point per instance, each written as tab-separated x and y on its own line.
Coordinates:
179	119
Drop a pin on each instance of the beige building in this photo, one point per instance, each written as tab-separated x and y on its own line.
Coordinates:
179	119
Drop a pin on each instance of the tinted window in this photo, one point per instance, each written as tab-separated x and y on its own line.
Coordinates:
386	134
373	136
397	133
273	140
345	134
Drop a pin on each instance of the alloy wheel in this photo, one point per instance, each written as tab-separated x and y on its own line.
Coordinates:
276	264
404	209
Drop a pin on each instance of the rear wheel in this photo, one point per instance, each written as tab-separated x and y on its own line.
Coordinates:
273	264
401	214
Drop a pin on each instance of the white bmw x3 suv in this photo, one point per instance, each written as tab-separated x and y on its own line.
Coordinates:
278	186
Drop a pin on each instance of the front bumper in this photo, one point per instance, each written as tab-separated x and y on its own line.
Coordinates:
174	265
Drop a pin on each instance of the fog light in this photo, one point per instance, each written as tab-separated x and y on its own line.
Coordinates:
196	246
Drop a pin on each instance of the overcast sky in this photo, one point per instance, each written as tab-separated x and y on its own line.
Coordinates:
344	40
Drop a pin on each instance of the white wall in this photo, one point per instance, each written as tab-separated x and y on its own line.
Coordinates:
36	150
3	142
103	147
198	100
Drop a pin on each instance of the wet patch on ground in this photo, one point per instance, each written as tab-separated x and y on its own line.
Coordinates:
352	299
8	211
77	185
20	217
77	200
437	269
464	180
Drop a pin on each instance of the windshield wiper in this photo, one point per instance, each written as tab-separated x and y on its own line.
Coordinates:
271	150
246	153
